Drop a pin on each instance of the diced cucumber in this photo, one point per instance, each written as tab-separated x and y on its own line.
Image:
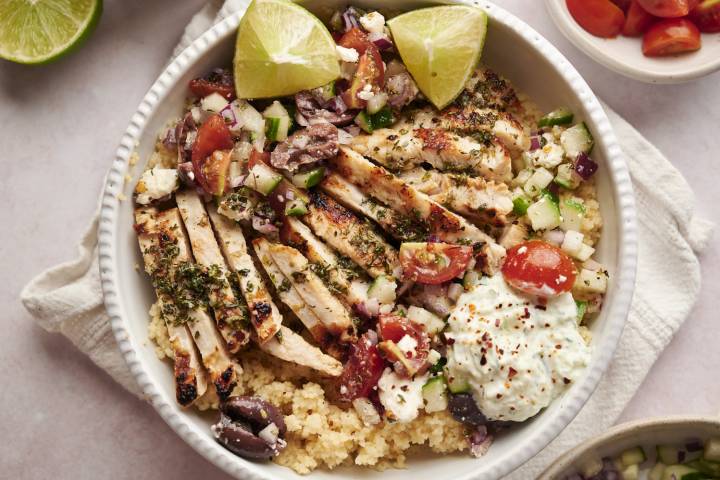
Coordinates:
376	103
213	103
544	214
712	450
585	252
677	472
561	116
364	121
328	90
631	472
668	454
588	281
471	279
520	205
310	178
262	179
576	140
632	456
566	176
383	289
581	310
458	384
277	122
382	118
572	243
656	473
591	467
572	214
706	467
434	393
540	179
296	208
432	323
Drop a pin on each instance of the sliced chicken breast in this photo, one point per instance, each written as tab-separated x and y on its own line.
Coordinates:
291	347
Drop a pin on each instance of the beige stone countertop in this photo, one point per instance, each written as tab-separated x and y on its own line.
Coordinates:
63	418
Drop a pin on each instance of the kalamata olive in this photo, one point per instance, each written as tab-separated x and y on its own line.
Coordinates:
250	427
463	408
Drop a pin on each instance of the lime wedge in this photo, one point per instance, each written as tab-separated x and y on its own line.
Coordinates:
440	46
281	49
39	31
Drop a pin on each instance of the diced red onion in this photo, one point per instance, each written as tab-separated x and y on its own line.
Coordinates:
372	337
372	305
170	140
585	166
290	195
555	237
434	239
235	182
263	226
350	19
480	442
336	104
404	287
353	130
381	40
229	115
186	174
454	291
344	138
534	143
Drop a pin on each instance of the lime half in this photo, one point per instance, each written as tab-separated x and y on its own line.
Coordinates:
440	46
39	31
281	49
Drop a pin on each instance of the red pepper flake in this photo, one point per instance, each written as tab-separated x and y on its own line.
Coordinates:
512	372
558	346
566	380
483	360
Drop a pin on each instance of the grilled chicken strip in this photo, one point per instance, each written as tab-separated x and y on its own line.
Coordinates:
229	315
175	251
190	382
406	146
406	199
351	236
483	202
400	227
291	347
264	314
338	277
295	267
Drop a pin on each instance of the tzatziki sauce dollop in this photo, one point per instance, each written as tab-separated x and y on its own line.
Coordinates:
517	352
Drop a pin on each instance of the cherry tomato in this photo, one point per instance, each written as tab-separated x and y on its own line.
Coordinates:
362	370
258	157
671	36
623	4
370	71
357	39
707	16
433	263
602	18
539	268
392	329
217	81
667	8
637	20
211	136
215	171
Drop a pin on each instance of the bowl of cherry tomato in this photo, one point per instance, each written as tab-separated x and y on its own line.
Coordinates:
656	41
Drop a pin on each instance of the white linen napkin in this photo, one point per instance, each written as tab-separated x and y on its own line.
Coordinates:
68	297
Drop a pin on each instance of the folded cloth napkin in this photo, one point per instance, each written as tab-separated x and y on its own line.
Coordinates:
68	298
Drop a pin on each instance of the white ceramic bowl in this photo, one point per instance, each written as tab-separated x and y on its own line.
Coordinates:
536	68
624	55
669	430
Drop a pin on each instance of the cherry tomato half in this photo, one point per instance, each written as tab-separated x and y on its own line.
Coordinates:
671	36
539	268
211	136
668	8
602	18
362	370
623	4
392	329
370	71
356	39
707	16
637	20
218	81
433	263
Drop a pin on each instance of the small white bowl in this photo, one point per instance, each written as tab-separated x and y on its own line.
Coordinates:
514	50
644	433
624	54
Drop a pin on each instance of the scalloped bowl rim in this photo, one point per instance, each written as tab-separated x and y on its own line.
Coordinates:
530	443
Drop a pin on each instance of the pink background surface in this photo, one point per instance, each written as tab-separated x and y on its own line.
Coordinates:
60	416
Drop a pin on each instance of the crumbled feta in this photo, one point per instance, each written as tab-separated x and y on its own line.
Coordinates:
347	54
407	344
156	183
550	155
572	242
433	357
373	22
366	93
401	397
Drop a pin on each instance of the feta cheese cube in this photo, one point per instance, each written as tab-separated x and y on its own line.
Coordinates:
156	183
347	54
213	103
373	22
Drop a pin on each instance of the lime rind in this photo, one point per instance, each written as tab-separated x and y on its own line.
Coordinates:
281	49
39	32
440	46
